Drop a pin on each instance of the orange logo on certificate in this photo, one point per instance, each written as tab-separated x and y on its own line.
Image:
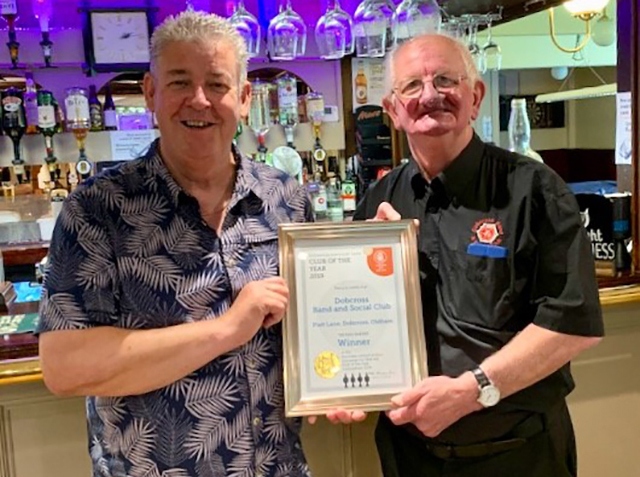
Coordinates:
380	260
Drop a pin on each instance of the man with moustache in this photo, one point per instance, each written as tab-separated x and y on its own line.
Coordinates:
507	282
161	294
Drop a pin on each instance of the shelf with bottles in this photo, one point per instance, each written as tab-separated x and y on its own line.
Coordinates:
332	185
97	148
285	110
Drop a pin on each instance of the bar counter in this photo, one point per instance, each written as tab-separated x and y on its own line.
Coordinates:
27	368
43	436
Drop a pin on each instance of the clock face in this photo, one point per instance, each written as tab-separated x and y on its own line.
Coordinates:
120	37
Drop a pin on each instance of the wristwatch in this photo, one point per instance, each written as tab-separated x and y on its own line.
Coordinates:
488	393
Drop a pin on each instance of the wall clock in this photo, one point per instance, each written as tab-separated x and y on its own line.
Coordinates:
117	39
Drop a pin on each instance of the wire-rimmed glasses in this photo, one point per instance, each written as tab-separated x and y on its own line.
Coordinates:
413	88
248	27
287	34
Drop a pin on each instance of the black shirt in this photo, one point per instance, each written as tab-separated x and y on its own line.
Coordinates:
501	246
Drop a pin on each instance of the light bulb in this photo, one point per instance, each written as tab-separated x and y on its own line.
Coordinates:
604	31
585	9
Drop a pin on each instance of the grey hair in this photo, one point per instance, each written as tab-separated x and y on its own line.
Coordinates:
469	64
193	26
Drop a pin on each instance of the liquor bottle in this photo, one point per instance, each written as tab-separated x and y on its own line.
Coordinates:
79	122
520	130
260	116
288	105
361	85
95	110
335	211
349	201
110	115
47	127
9	11
14	126
31	103
320	201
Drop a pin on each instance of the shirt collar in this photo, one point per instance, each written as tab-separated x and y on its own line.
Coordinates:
247	184
456	178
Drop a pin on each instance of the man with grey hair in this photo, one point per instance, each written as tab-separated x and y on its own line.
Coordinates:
161	300
507	282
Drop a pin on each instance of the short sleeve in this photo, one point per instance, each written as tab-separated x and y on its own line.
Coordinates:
565	286
80	282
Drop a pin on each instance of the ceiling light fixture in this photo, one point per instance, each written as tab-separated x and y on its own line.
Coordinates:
585	10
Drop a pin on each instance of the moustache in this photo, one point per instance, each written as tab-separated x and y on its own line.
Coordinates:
428	107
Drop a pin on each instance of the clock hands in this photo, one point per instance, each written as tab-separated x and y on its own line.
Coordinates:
125	36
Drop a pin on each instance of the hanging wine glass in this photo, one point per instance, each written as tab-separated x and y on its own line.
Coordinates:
452	28
492	52
477	53
387	8
260	115
334	33
287	34
415	17
370	30
330	38
248	27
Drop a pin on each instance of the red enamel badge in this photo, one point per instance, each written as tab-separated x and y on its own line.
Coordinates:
487	231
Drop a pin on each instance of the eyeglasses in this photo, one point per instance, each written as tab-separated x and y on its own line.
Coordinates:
413	88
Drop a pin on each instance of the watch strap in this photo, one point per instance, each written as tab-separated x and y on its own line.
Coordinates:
483	380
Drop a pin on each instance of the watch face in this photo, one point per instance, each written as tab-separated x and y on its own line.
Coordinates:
120	37
489	396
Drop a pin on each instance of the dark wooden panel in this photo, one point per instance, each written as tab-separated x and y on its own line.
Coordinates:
14	255
512	9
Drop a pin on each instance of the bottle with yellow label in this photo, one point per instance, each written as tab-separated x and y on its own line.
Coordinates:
361	85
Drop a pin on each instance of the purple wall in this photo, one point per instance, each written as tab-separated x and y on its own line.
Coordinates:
66	11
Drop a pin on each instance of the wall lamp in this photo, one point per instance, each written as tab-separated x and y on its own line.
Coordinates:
585	10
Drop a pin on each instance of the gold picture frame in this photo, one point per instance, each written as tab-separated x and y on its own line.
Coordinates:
353	335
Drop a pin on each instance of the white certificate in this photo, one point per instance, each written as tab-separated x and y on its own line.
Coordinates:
353	332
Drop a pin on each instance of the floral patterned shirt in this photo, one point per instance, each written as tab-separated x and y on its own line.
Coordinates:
130	249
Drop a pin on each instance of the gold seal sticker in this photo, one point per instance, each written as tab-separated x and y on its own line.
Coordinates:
327	364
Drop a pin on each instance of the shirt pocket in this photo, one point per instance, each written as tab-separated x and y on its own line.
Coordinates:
255	258
481	288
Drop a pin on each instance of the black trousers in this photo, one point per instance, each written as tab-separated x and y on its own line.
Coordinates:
550	453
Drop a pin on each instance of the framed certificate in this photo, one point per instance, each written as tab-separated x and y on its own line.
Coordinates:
353	333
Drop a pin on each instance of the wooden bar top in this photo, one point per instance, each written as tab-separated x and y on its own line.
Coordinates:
24	365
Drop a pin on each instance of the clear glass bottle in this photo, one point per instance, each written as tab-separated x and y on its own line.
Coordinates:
31	103
79	121
260	115
520	130
288	105
335	210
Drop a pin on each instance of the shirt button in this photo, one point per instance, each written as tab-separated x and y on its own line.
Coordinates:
231	262
257	421
251	364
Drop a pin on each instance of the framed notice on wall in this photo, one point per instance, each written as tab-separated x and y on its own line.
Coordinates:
367	82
